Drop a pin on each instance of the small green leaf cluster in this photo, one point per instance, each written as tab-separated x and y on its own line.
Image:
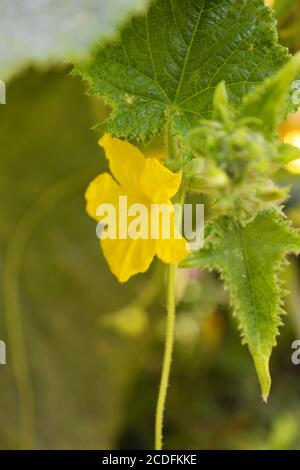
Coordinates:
233	161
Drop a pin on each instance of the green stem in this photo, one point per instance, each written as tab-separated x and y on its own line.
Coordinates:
164	382
171	310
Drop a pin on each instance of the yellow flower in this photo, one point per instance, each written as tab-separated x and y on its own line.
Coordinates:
144	181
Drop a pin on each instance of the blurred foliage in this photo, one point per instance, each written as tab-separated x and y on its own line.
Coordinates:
45	31
95	347
288	15
80	372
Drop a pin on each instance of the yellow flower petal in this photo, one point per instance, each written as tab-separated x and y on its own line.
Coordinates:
126	162
128	257
143	176
159	183
172	251
144	181
102	190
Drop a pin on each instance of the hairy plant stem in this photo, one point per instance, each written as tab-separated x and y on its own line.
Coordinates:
170	328
169	344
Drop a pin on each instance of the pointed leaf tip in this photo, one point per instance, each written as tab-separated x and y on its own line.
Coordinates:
272	100
261	363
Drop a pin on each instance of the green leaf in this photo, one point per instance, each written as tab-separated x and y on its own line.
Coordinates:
270	101
250	260
223	110
288	153
52	30
169	62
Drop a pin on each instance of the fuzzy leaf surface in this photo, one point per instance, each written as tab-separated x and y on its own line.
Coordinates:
169	62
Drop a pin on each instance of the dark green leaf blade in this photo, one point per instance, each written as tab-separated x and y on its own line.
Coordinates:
170	62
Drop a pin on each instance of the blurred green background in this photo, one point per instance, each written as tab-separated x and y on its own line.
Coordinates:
94	347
